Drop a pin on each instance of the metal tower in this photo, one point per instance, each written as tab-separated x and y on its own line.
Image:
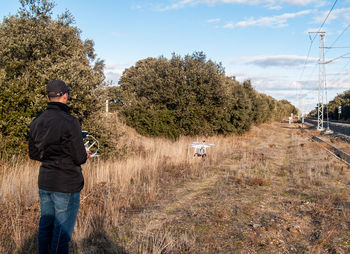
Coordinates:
321	81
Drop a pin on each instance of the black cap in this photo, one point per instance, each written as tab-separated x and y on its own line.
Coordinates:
56	88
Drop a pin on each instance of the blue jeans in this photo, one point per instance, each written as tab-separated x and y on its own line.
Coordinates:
59	212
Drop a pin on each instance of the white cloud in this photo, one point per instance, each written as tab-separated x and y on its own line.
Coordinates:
339	80
336	14
309	85
113	72
228	25
265	81
283	86
278	86
276	61
274	21
213	20
275	7
272	4
299	2
178	5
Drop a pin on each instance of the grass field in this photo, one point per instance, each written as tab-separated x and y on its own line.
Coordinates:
270	191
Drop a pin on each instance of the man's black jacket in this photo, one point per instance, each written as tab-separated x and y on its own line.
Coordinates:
55	139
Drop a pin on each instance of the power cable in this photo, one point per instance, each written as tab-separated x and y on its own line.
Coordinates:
307	58
336	80
324	21
312	40
332	60
340	35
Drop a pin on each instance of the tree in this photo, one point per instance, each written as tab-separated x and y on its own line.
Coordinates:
342	100
35	48
190	96
240	108
186	92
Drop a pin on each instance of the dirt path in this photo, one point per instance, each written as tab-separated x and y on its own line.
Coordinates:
275	192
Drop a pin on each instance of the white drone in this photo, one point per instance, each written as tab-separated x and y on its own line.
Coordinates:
200	148
91	144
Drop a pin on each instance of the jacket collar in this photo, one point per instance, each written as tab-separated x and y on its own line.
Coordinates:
58	105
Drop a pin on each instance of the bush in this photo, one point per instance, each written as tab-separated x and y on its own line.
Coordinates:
190	96
34	48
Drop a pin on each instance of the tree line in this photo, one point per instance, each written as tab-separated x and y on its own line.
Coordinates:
341	100
188	95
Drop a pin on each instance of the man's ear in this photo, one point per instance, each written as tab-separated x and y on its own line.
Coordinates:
65	98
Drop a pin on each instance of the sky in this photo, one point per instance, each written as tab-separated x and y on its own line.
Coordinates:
265	41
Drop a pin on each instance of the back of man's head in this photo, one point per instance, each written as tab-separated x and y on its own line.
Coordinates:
56	88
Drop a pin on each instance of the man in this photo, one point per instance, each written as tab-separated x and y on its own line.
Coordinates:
55	139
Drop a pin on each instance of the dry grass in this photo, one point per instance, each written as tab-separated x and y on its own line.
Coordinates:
274	192
111	187
269	191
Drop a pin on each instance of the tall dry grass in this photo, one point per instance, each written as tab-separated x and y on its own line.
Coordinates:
269	166
274	192
150	167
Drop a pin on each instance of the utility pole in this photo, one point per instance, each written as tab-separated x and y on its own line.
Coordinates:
321	81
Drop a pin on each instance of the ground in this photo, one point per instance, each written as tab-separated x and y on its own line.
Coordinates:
272	190
275	192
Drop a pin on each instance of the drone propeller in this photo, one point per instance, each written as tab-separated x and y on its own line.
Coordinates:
91	144
201	146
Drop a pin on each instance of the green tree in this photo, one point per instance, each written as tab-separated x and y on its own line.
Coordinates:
342	100
240	108
35	48
190	96
186	92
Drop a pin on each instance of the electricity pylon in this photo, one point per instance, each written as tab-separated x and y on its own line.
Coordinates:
321	81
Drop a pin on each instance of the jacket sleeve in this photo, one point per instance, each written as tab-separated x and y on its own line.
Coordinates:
73	143
34	152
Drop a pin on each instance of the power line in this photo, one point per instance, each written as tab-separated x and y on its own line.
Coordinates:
312	40
340	35
307	58
337	79
332	60
324	21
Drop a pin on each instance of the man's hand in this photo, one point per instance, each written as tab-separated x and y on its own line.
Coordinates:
88	153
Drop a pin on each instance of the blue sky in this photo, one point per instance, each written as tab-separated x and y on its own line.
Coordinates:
266	41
